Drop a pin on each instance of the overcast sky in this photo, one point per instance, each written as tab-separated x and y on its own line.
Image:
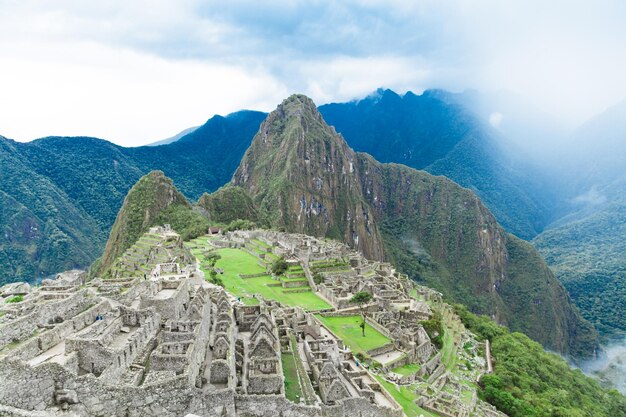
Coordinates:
133	72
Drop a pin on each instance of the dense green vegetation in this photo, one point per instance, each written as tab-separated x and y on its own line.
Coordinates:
588	257
528	381
41	230
228	204
438	233
434	328
152	201
286	173
279	266
586	246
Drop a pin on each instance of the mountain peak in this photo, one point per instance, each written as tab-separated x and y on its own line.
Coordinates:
149	197
297	106
298	102
309	175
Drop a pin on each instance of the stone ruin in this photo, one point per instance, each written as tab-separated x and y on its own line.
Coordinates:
155	338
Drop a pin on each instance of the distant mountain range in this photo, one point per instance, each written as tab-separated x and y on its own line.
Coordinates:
60	196
587	246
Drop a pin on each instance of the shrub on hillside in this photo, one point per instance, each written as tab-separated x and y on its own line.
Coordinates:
279	266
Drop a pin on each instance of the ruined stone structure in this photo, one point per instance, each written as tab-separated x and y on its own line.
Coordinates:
155	338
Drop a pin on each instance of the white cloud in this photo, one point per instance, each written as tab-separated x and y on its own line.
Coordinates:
345	78
141	70
127	97
592	197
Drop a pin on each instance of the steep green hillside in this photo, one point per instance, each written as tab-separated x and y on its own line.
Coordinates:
153	200
227	204
588	257
435	132
586	248
42	231
304	178
94	173
97	174
528	381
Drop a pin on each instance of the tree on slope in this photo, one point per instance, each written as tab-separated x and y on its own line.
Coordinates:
361	298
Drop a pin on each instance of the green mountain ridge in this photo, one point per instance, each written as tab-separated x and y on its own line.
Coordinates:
39	221
71	189
96	175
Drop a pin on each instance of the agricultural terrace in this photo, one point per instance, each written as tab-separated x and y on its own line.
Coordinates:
408	369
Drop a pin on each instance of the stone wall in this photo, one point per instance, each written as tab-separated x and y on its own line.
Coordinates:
381	350
55	335
33	388
171	307
43	314
30	388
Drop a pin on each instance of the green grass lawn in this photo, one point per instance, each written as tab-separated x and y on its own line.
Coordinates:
409	369
292	386
347	328
236	261
404	396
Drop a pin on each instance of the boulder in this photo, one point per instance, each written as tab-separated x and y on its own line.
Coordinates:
15	288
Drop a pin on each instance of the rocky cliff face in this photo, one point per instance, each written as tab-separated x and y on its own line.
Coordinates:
304	178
